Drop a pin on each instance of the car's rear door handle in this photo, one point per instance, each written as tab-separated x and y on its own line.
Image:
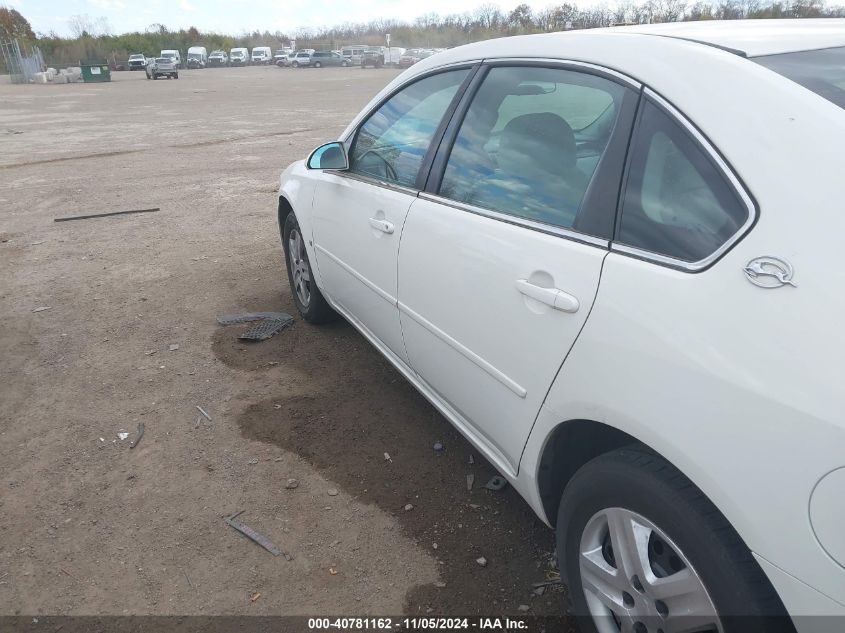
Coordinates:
382	225
558	299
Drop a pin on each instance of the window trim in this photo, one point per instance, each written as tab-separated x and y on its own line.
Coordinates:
541	227
438	167
425	166
719	163
566	64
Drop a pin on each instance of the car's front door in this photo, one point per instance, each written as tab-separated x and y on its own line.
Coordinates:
358	214
501	256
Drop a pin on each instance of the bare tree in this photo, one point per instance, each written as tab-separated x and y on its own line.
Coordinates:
520	17
489	16
82	25
668	10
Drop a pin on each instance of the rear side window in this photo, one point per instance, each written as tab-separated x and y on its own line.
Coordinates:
677	203
392	143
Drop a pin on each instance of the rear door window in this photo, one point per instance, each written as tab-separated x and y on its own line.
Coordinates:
677	203
531	141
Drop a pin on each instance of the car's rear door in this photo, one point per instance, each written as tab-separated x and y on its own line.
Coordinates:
502	254
358	214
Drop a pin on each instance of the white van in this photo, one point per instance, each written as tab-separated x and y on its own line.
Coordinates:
174	55
262	55
197	57
239	57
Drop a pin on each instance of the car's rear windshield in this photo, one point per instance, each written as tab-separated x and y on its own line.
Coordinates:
163	60
822	71
136	57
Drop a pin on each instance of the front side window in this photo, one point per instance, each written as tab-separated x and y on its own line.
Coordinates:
531	141
392	143
677	202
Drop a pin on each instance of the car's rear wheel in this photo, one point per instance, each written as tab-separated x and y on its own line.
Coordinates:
295	64
344	64
308	298
644	550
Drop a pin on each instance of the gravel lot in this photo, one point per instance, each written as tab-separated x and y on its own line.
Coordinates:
90	526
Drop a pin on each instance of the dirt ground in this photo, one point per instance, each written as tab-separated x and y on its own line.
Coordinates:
91	526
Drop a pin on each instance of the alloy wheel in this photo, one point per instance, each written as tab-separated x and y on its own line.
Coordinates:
300	270
636	580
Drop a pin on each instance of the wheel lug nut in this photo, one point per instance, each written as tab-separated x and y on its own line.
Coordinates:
627	599
661	607
635	581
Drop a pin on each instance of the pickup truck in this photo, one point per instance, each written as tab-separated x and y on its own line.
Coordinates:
163	67
138	61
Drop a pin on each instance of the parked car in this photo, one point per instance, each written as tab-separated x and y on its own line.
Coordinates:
412	56
173	54
239	57
373	56
652	365
162	67
302	58
353	53
379	56
261	56
328	58
281	54
217	59
197	57
138	61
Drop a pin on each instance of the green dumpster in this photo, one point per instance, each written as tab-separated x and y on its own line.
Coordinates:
93	72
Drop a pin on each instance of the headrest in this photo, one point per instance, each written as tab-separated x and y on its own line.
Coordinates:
544	138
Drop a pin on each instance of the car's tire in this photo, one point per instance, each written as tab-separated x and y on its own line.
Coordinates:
295	65
318	65
176	76
309	300
344	64
682	536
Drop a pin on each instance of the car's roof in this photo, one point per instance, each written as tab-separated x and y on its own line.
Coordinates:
751	37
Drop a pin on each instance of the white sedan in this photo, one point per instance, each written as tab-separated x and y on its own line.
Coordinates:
611	258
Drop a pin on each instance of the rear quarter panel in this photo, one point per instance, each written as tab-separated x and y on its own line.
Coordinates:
738	386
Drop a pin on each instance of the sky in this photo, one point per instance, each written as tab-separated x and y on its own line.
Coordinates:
232	16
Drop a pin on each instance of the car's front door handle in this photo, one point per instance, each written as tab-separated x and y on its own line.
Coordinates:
382	225
558	299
